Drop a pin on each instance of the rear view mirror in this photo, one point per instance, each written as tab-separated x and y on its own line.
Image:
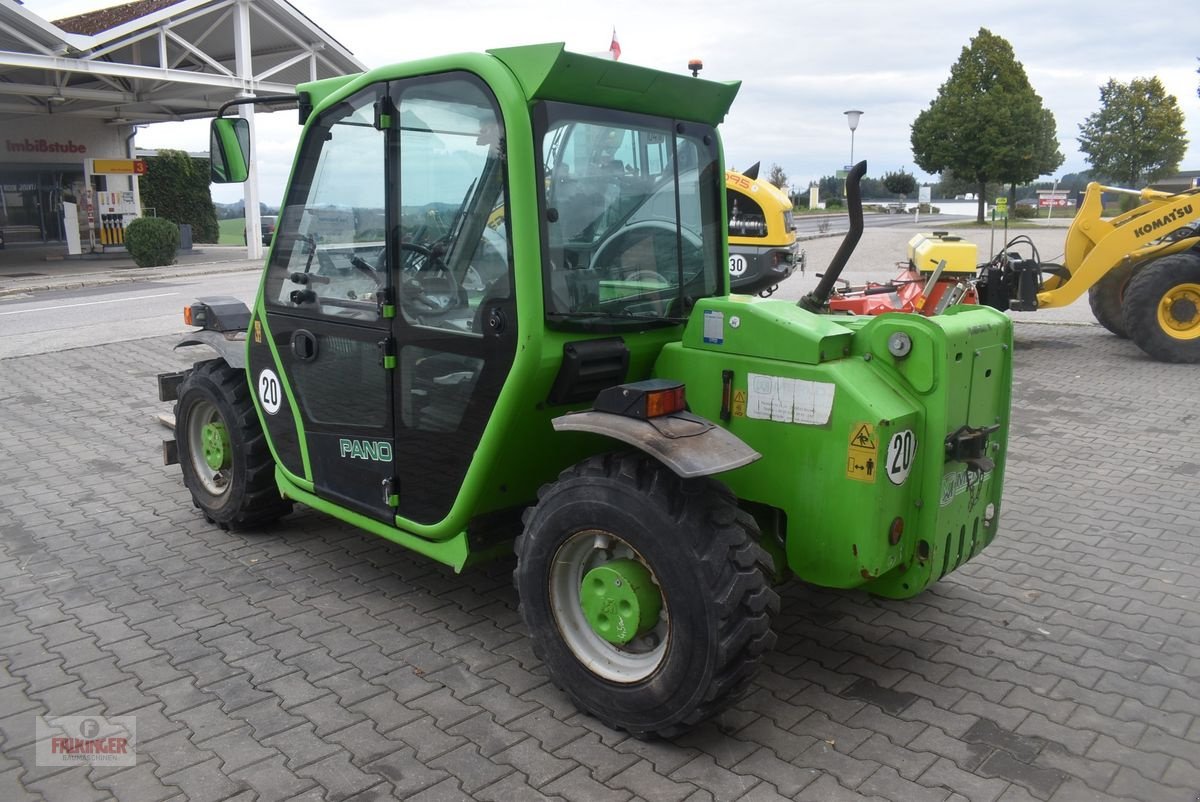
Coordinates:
229	150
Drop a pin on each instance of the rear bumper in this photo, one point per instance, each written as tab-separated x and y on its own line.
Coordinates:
755	268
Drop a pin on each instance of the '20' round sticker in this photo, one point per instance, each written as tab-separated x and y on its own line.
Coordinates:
270	394
902	450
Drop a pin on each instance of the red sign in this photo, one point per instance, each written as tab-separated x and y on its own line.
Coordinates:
1055	202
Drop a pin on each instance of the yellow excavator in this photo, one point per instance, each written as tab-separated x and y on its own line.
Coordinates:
1141	270
763	247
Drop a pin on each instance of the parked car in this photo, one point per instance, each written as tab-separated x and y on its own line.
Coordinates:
267	224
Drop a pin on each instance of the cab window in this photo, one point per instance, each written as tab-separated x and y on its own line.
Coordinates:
330	258
453	249
631	204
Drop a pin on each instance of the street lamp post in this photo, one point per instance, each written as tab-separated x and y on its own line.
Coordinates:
852	117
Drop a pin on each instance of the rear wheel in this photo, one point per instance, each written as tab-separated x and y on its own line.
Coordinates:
646	595
223	453
1162	308
1107	295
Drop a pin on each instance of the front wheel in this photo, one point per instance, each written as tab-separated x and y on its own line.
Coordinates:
647	596
1162	308
223	452
1107	296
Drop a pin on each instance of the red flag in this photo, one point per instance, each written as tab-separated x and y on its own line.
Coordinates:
615	47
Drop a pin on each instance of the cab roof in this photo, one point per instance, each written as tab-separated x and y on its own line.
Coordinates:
551	72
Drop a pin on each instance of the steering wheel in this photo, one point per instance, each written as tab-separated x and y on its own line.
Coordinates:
427	289
419	257
662	303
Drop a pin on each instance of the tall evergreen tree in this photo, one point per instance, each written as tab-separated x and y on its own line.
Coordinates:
987	124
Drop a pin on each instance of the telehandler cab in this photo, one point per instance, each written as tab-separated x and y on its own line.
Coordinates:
571	380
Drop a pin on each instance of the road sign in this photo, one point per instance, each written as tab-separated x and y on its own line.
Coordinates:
925	194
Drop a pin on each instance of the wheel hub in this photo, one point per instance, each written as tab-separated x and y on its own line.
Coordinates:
1179	312
620	600
215	440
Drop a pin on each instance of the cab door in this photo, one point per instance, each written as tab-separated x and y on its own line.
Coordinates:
455	331
328	305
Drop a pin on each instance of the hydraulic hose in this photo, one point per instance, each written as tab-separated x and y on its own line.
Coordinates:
816	300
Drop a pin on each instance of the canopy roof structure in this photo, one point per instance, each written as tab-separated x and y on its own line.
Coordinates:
159	60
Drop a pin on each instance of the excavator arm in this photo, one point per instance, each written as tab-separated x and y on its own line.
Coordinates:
1162	225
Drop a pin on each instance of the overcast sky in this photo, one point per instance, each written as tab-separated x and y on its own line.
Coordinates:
802	64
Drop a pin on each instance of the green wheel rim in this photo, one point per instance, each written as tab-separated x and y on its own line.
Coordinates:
216	445
208	447
593	554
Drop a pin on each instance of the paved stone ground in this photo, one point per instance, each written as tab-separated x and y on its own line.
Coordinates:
313	662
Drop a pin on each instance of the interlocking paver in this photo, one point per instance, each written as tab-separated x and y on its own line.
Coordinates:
407	774
273	781
513	788
339	777
601	759
787	778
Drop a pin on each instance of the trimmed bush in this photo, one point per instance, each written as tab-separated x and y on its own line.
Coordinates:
1024	212
152	241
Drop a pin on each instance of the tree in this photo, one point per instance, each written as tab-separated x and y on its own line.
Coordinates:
900	183
778	177
830	186
176	186
1137	135
986	123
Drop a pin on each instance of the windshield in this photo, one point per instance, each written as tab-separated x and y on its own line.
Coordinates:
632	210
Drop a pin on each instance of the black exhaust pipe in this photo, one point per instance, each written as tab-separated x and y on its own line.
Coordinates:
816	300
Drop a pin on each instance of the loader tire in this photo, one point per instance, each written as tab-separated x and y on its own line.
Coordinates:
1162	308
223	452
617	522
1107	295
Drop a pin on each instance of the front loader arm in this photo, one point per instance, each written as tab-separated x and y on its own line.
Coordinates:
1095	246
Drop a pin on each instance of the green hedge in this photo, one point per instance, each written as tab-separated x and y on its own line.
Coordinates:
176	186
152	241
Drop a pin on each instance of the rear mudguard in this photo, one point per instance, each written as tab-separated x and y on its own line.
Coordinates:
229	345
687	444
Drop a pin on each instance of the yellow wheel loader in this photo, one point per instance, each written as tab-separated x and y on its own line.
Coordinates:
1141	270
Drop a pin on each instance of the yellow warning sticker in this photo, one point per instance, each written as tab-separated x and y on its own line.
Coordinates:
739	403
862	454
258	331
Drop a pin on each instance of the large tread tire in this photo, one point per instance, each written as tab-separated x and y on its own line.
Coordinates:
248	496
1107	295
1162	308
704	555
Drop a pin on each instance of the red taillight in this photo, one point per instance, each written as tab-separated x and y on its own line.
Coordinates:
651	398
896	531
665	402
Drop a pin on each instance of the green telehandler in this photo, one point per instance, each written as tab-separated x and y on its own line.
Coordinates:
496	318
